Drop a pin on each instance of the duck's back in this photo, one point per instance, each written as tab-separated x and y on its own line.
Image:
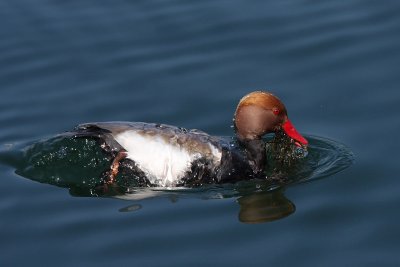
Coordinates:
167	155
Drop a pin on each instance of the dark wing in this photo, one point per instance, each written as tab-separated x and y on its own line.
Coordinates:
104	132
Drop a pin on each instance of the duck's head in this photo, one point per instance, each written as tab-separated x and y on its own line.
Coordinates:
259	113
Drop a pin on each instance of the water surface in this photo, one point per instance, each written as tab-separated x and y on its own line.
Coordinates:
187	63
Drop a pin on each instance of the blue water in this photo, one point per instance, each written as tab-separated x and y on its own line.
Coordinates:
187	63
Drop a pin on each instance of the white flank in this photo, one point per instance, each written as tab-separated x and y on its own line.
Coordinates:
164	164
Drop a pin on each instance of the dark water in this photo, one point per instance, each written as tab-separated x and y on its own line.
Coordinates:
187	63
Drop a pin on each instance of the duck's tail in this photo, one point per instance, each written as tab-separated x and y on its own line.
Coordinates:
93	131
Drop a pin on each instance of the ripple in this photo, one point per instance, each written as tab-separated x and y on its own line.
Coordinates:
78	164
58	161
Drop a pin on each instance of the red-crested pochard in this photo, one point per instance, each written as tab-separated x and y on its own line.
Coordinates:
169	156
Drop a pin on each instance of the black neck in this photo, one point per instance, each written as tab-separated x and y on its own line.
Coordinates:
256	153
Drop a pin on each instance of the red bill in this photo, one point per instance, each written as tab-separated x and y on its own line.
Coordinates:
289	129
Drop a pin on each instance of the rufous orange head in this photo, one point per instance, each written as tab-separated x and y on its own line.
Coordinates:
259	113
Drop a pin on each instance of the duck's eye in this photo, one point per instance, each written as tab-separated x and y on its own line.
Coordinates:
276	111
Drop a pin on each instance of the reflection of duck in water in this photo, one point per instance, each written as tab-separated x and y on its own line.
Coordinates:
264	207
256	207
163	155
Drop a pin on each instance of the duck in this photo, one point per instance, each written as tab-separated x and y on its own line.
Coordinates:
162	155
